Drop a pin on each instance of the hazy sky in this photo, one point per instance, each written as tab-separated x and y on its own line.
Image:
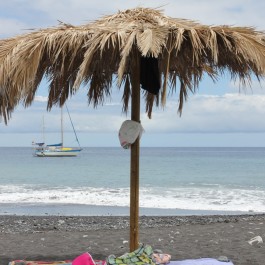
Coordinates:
218	115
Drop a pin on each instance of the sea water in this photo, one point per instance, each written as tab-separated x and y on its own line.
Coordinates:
97	182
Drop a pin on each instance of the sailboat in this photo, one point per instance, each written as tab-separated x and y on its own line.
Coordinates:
57	150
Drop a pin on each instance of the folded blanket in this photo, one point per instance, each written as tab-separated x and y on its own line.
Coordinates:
28	262
203	261
141	256
83	259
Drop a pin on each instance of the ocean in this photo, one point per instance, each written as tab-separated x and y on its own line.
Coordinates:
173	181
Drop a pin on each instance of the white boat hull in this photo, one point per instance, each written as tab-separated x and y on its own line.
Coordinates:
57	153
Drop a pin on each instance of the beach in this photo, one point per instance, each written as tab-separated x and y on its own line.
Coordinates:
208	208
184	237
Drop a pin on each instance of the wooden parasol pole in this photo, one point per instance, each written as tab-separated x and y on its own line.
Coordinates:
135	153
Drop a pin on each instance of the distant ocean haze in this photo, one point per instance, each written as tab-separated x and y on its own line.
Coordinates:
189	179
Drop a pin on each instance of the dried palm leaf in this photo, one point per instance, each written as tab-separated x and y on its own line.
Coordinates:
70	56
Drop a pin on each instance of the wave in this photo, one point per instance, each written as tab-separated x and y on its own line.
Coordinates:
189	198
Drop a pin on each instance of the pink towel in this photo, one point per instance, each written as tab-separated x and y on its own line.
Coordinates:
86	259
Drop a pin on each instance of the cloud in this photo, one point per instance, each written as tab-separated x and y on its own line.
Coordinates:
40	99
45	13
229	113
211	114
217	12
11	26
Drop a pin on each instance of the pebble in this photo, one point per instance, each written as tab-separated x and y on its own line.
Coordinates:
34	224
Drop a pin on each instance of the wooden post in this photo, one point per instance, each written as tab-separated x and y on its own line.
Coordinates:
62	126
135	154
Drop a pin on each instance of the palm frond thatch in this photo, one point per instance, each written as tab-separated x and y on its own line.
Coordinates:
70	56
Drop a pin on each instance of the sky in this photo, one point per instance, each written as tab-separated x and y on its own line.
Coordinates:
219	114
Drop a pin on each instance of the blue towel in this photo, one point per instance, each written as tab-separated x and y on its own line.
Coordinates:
202	261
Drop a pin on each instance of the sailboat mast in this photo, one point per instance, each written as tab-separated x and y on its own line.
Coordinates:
72	125
43	129
62	126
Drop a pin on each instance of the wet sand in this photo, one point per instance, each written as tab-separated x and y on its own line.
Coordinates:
184	237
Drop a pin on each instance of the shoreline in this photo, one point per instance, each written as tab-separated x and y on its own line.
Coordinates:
59	209
184	237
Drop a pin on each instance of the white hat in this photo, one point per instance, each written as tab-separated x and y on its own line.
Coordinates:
129	132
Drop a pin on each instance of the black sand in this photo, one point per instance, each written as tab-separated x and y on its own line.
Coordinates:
60	237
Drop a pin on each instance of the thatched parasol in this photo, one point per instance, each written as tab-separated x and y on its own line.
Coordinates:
142	48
